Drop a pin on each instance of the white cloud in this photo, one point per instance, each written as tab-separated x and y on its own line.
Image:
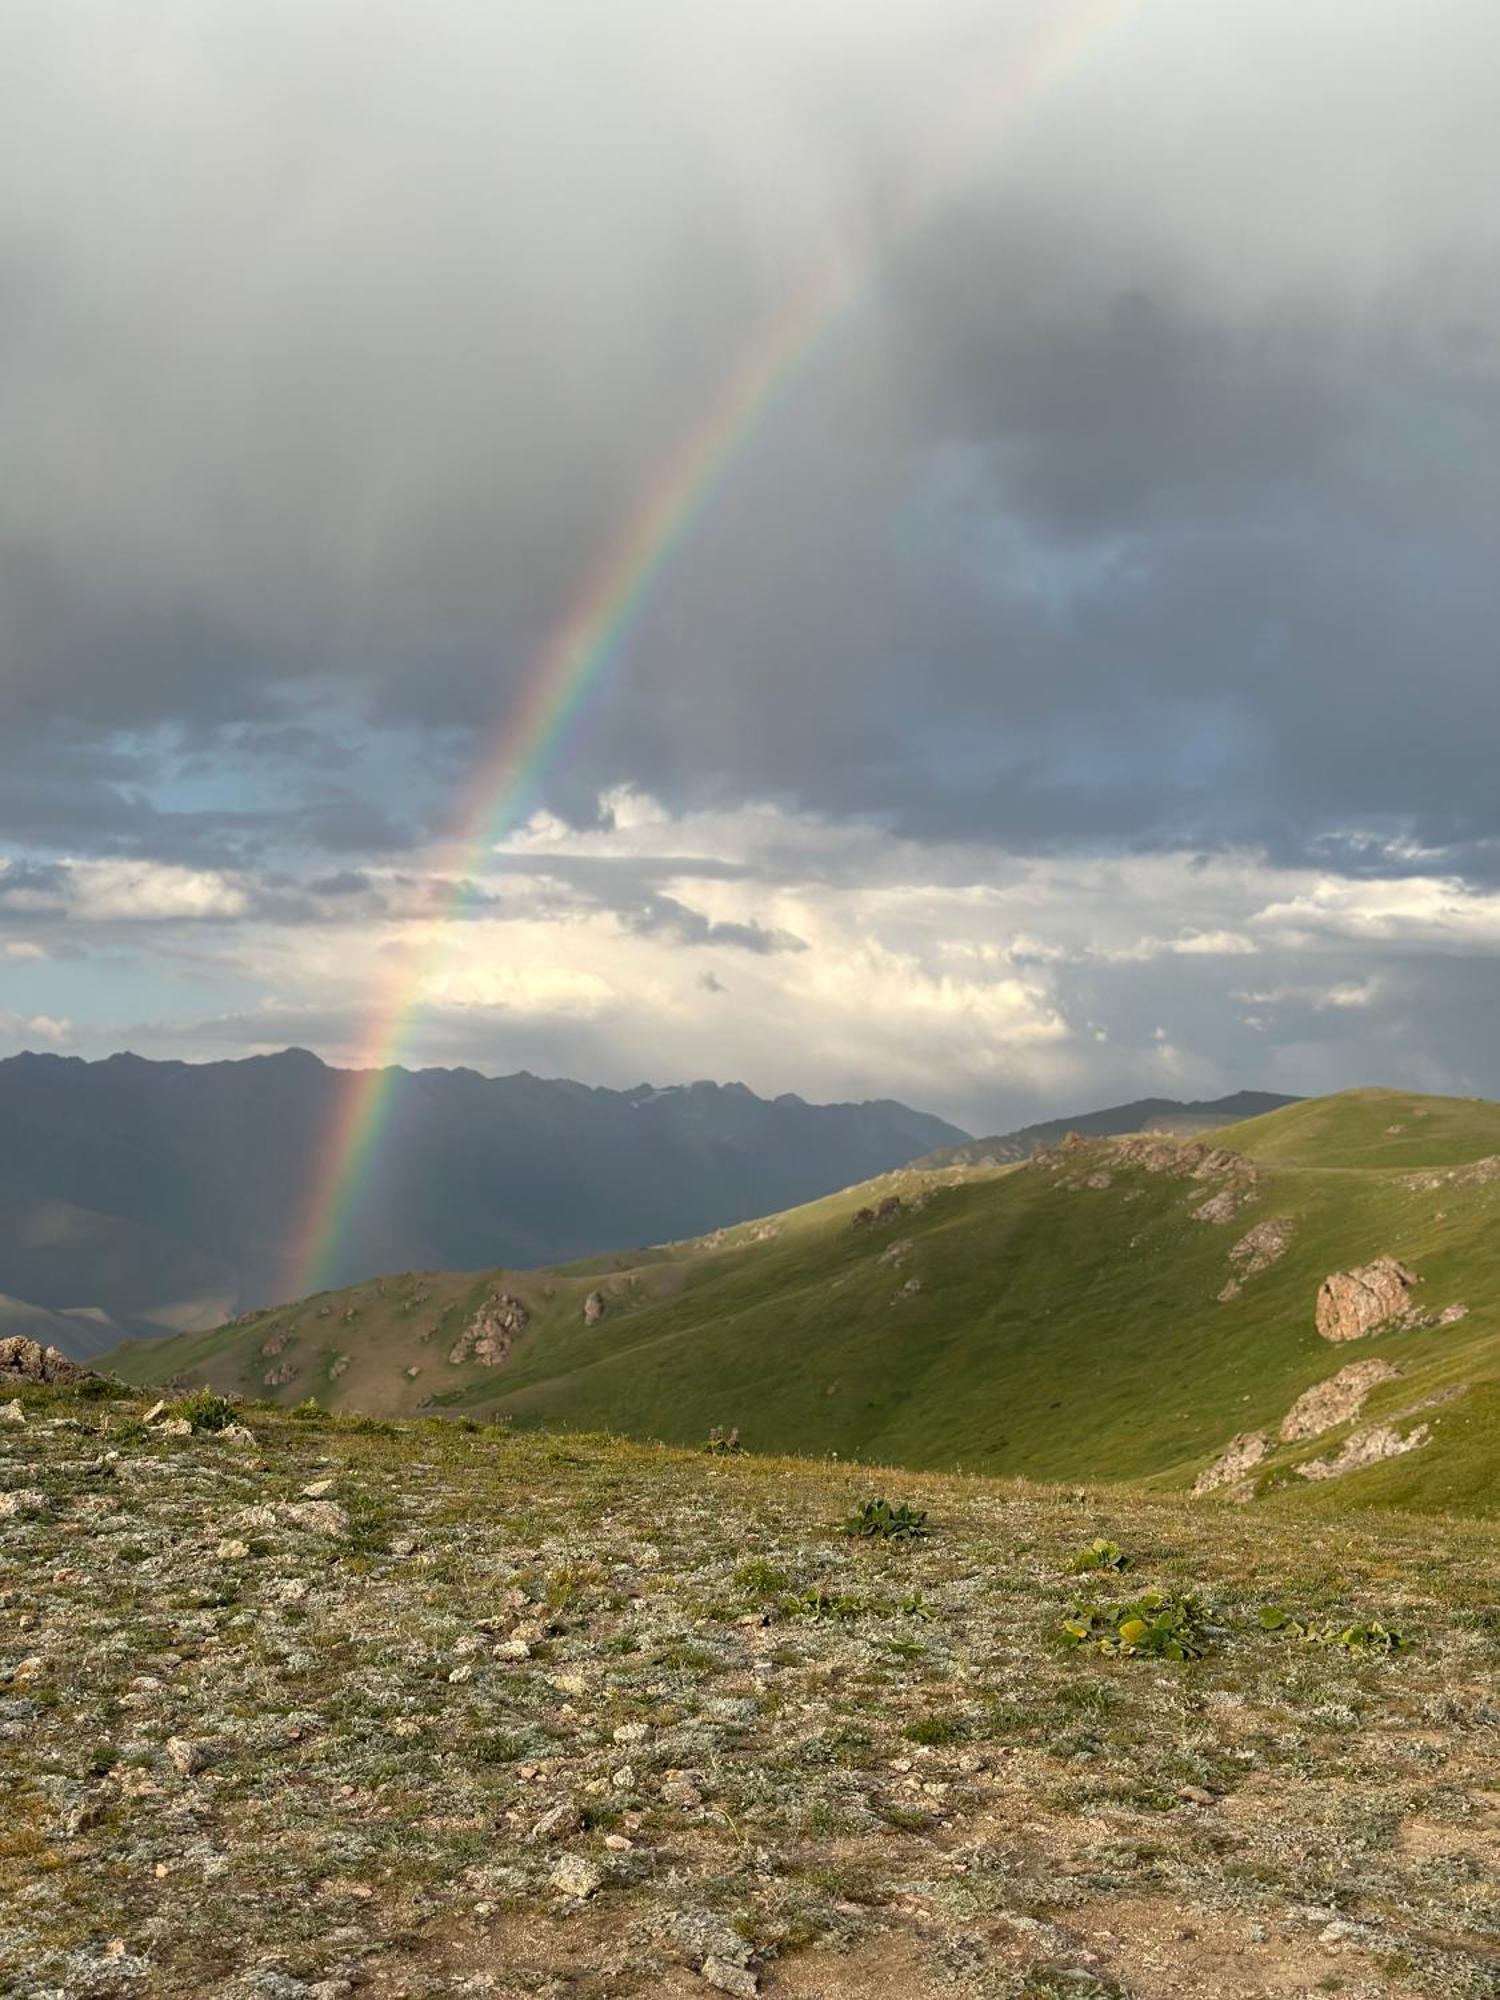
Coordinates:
28	1028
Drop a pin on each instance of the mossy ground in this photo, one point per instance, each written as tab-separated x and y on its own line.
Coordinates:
833	1767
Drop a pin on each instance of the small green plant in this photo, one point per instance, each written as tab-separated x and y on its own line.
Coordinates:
878	1520
760	1578
310	1412
935	1731
1366	1636
1155	1625
723	1444
815	1603
206	1411
1099	1554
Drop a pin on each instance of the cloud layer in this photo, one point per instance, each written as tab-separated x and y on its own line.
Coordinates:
1119	575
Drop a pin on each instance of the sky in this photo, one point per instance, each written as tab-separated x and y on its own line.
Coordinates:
1085	682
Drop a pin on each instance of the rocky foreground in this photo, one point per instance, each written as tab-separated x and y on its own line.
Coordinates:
293	1706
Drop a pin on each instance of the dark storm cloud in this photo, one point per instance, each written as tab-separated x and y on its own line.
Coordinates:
1147	498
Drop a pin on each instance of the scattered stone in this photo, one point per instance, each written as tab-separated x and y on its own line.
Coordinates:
908	1291
175	1427
186	1757
234	1434
232	1551
1335	1401
556	1824
317	1489
1240	1456
1353	1304
726	1978
631	1732
277	1378
11	1411
1451	1315
23	1500
157	1411
576	1876
320	1517
680	1792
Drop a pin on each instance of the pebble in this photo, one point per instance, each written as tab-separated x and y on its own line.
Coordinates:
576	1875
726	1978
186	1757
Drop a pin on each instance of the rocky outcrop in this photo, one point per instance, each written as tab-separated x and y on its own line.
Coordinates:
1233	1179
1335	1401
593	1309
491	1333
1238	1458
1365	1448
1257	1250
280	1375
1354	1304
24	1360
885	1210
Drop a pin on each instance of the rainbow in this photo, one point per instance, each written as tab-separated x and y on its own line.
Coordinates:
613	595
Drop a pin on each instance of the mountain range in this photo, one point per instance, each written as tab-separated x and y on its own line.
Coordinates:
166	1194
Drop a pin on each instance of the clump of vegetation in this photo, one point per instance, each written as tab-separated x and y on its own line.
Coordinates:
816	1603
310	1412
1364	1636
878	1520
1157	1624
723	1444
205	1410
1100	1554
936	1731
760	1578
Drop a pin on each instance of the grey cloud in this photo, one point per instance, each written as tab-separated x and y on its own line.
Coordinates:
664	916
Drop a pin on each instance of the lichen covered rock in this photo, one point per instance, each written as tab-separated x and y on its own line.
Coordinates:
1335	1401
23	1360
1354	1304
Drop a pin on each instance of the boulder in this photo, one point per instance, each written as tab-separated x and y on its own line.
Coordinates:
489	1335
24	1360
1353	1304
593	1309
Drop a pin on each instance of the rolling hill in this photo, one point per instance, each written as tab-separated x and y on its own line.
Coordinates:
1143	1114
1115	1309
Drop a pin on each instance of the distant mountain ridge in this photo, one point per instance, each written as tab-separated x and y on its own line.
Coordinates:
167	1194
1146	1114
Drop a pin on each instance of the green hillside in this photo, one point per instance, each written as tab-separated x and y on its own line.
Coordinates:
1061	1320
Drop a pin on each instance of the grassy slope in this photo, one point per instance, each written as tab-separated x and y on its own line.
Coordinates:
1059	1333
